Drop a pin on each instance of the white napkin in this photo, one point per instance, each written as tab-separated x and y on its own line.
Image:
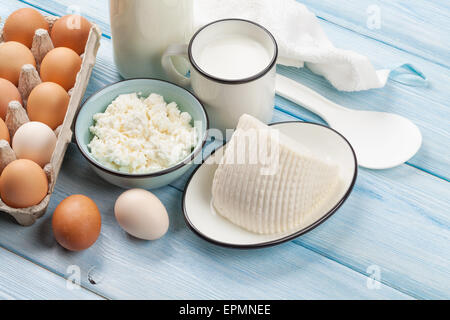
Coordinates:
300	39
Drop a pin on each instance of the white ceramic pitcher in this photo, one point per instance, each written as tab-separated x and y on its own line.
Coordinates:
143	29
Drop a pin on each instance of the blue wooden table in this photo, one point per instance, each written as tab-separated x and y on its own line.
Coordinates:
391	239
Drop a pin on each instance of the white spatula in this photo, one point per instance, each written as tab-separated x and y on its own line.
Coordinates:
381	140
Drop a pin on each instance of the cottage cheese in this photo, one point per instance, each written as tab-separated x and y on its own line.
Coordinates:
141	135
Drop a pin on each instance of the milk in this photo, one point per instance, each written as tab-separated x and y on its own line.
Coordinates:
143	29
234	57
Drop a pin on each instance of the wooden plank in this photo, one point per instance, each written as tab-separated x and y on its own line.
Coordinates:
427	107
22	279
397	220
419	27
408	257
180	265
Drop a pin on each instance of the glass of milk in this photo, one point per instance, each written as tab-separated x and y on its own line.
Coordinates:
233	70
143	29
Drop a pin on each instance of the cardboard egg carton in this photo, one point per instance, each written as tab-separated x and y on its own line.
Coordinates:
17	115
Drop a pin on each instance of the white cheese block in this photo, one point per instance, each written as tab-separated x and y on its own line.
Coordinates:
268	183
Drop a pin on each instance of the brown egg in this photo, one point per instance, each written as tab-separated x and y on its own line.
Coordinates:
22	24
8	93
13	55
76	223
4	133
23	184
71	31
61	66
48	104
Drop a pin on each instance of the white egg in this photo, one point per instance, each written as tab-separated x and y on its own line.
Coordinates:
141	214
34	141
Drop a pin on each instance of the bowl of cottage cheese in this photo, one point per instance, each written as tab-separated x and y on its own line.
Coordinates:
141	133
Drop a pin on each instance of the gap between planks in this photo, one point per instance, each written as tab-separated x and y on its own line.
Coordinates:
319	252
20	256
380	41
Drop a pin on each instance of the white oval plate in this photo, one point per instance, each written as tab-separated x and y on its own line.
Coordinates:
206	223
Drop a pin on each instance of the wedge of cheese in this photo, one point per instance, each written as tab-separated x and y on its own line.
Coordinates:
267	182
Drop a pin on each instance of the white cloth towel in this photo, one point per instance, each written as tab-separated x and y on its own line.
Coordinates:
300	39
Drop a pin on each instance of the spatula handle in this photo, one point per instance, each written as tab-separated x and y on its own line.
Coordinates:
307	98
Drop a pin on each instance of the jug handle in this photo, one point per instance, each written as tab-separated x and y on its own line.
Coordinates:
175	50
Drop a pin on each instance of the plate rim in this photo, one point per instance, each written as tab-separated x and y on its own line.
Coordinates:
283	239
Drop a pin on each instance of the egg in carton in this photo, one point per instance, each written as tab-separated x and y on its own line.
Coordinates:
16	114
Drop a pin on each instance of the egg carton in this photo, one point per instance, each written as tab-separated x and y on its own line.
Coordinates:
17	115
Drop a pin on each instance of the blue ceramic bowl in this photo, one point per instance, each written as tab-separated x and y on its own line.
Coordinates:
98	102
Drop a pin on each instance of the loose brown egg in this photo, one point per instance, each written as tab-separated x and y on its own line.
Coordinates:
4	133
71	31
8	93
76	223
23	184
22	24
61	66
13	55
47	103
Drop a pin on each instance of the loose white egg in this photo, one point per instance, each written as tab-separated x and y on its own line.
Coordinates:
141	214
34	141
